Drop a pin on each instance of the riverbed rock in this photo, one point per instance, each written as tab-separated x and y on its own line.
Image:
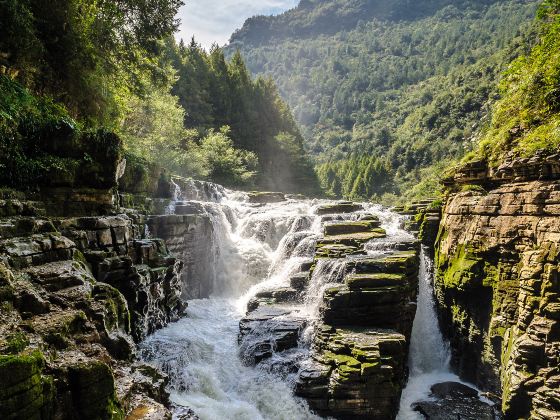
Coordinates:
190	238
265	197
337	208
74	292
453	400
268	329
355	373
342	228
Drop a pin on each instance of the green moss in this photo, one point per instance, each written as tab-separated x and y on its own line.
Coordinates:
462	270
373	280
93	391
16	343
25	393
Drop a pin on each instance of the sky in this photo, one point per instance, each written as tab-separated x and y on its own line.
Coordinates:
213	21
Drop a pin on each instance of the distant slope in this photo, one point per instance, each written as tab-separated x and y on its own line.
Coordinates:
405	81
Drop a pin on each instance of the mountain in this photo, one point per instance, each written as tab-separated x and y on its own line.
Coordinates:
405	82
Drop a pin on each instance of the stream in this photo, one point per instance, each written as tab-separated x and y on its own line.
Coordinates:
257	247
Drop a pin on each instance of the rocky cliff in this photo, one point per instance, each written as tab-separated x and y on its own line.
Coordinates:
82	281
497	284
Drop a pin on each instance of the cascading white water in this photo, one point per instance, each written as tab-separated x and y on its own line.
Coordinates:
429	353
256	247
177	195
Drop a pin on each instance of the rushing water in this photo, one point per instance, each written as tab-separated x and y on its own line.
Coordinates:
429	353
255	248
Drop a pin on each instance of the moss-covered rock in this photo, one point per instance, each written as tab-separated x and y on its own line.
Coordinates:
498	294
343	228
25	392
93	392
355	373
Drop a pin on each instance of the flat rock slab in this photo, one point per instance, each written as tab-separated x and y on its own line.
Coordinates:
454	400
342	228
266	197
269	329
337	208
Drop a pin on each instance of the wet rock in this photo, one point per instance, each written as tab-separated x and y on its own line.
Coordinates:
355	373
268	329
356	240
340	207
343	228
189	238
299	281
453	400
273	296
265	197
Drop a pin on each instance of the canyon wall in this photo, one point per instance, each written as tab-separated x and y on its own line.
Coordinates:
497	283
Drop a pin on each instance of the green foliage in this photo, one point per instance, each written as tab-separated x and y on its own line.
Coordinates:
356	178
227	165
85	54
527	117
409	82
40	144
215	93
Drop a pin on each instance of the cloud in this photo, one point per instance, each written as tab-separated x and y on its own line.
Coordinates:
213	21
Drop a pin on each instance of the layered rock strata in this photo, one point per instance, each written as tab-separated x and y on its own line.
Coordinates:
75	295
497	265
357	364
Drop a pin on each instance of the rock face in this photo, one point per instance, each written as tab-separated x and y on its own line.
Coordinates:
360	350
189	237
497	263
356	365
75	293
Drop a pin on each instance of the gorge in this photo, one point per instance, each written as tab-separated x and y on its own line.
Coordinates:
351	211
297	308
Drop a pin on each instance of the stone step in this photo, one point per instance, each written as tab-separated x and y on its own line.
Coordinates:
374	280
337	250
273	296
356	373
383	307
398	262
299	281
337	208
23	252
265	197
306	266
24	226
343	228
352	239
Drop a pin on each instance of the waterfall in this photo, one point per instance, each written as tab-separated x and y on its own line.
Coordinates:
253	248
429	353
177	195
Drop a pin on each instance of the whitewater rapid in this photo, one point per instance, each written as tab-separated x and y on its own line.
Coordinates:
258	247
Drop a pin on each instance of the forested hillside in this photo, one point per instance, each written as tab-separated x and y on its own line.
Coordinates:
407	83
85	68
526	119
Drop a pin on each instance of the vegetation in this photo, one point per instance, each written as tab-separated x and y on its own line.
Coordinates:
408	83
72	67
527	116
215	94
